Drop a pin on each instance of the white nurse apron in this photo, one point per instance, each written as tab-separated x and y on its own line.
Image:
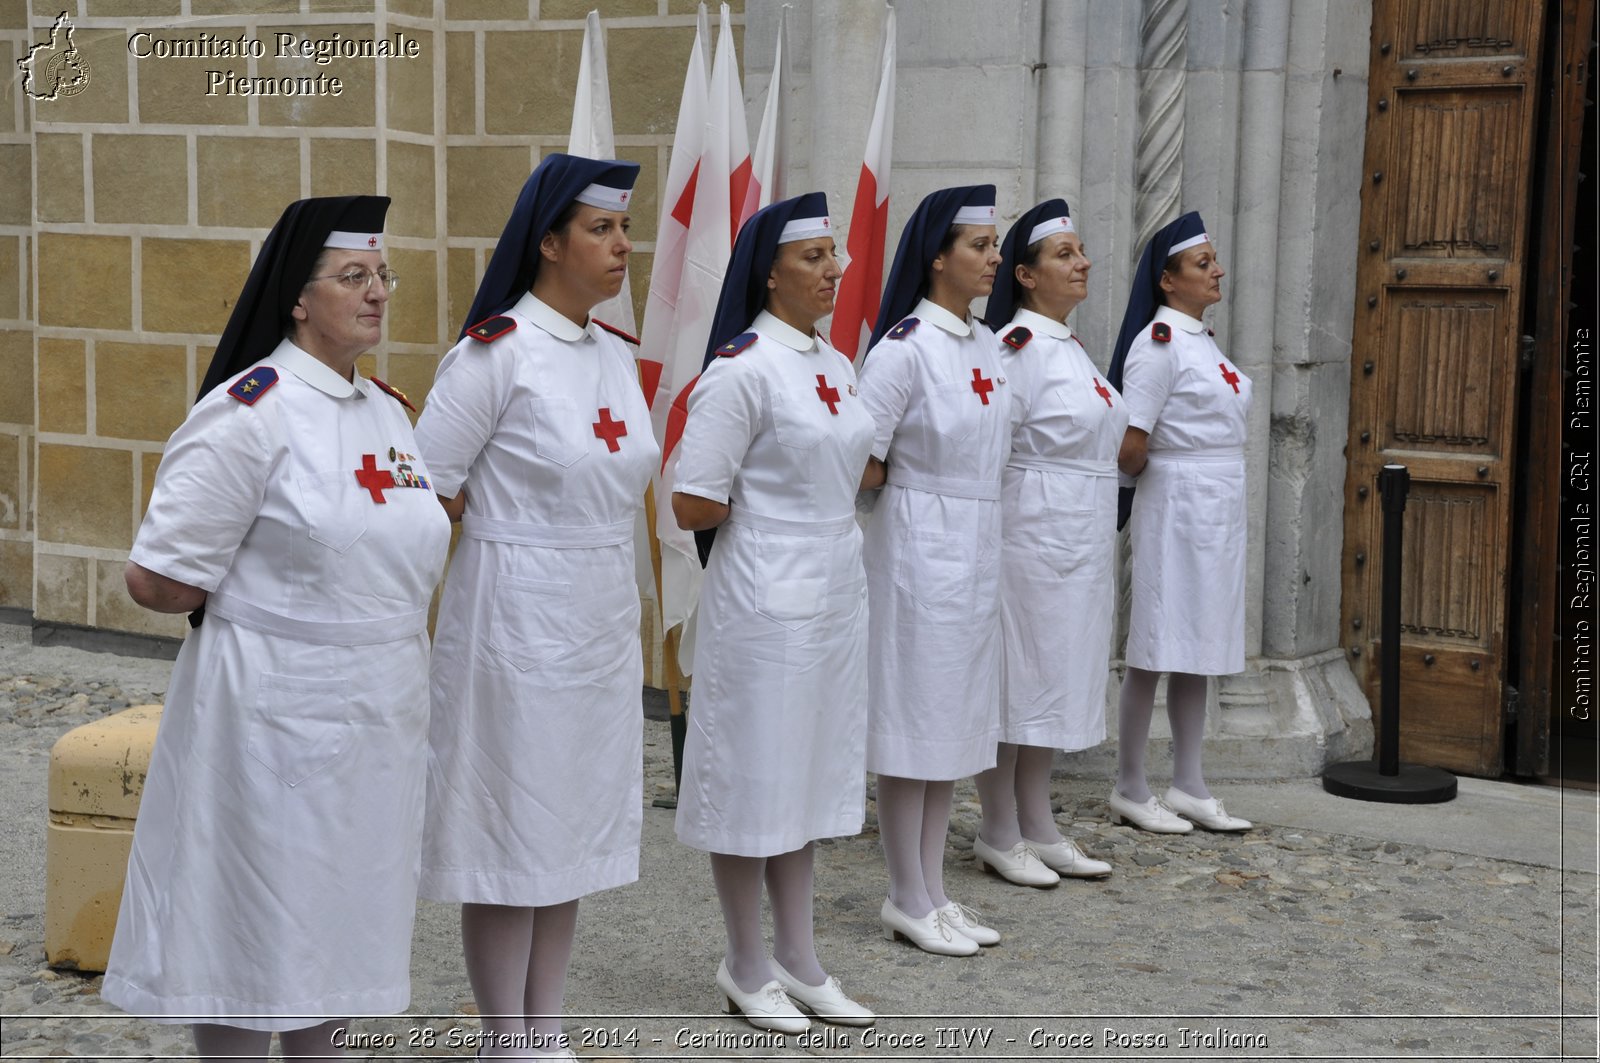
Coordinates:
273	876
940	403
1188	528
1059	509
776	746
535	773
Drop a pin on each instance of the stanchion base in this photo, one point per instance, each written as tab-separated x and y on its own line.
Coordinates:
1360	780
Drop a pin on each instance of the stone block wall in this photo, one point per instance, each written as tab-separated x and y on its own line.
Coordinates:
130	213
17	150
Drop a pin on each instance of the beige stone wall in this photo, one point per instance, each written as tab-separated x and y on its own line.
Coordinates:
16	320
130	214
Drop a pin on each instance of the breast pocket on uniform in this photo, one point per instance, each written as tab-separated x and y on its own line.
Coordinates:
335	507
797	423
561	432
955	411
528	620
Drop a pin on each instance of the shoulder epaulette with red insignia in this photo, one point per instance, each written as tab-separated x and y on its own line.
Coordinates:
1017	338
492	328
396	392
737	344
1161	332
254	384
616	331
904	329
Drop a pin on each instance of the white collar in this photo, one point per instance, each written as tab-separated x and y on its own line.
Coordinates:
1037	322
314	372
1180	319
551	320
775	328
934	314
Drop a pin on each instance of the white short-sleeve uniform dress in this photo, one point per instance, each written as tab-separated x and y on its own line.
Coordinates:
1059	518
777	728
273	877
941	406
535	770
1188	525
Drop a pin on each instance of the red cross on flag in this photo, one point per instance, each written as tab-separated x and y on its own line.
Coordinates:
856	308
683	294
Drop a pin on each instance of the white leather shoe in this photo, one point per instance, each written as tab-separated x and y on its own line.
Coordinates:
931	933
1208	813
965	921
1020	864
768	1008
826	1001
1067	860
1152	815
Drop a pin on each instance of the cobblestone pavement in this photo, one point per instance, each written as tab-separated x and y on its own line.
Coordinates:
1279	944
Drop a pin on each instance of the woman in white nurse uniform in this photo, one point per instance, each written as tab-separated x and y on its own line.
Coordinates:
1057	584
772	456
1188	412
933	383
273	878
537	428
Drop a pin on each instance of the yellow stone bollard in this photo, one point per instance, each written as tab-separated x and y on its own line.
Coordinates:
97	776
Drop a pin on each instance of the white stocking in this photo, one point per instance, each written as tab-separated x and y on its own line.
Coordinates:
790	886
936	798
1186	713
553	928
1135	705
1035	819
738	880
313	1042
497	941
997	793
900	827
214	1041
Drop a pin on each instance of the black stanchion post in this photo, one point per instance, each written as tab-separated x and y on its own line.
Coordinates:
1394	483
1386	779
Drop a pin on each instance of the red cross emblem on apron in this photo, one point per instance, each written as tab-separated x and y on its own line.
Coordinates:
1229	376
1100	389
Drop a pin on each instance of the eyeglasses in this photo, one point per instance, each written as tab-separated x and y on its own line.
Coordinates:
361	278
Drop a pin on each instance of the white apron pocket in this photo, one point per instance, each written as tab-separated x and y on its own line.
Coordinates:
299	725
793	580
335	507
1063	557
528	620
937	570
